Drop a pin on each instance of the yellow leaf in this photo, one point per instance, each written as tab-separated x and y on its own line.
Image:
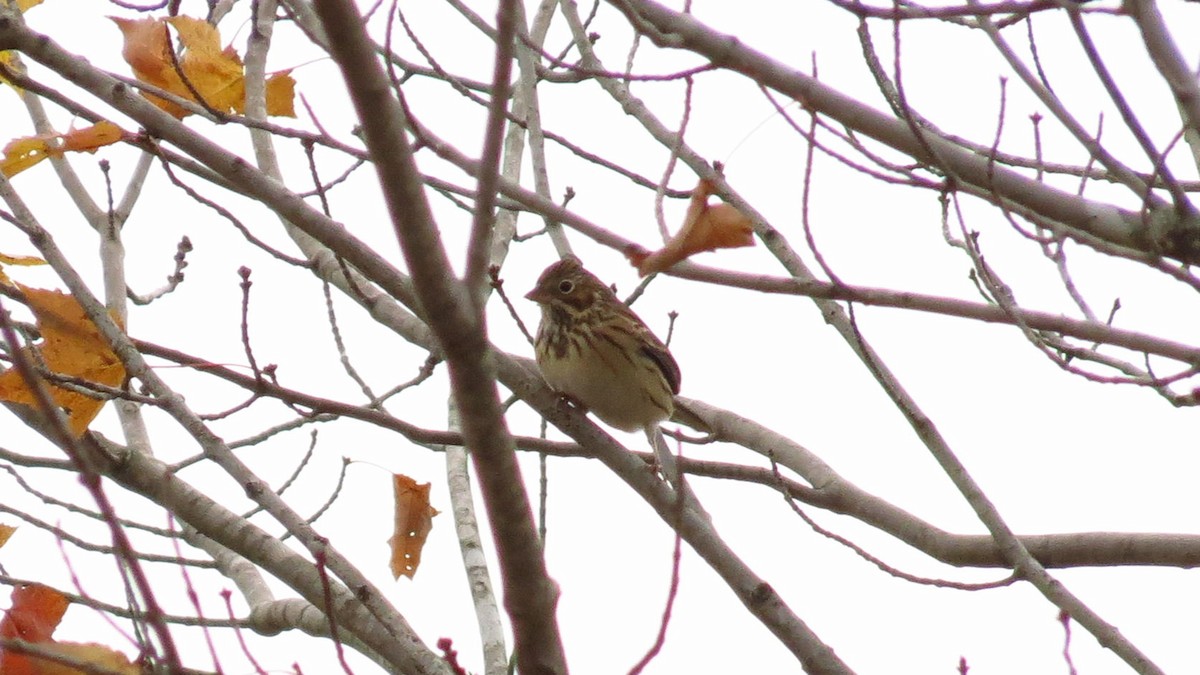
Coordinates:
22	260
414	520
9	60
23	153
281	94
23	5
197	35
217	74
6	531
18	260
71	345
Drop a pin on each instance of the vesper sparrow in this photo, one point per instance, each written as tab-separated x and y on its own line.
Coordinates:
598	353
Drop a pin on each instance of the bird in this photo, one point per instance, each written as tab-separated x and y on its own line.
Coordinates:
597	353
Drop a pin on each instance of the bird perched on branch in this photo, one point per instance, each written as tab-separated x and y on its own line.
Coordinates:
596	352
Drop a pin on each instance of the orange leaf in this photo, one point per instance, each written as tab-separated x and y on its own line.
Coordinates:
89	139
217	74
705	228
281	94
71	345
6	531
35	613
414	520
146	51
23	153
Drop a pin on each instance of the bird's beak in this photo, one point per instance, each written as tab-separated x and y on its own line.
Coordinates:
537	295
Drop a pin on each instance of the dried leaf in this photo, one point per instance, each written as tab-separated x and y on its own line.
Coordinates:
89	139
705	228
414	520
199	37
217	74
145	48
6	531
35	612
19	261
281	95
23	153
71	345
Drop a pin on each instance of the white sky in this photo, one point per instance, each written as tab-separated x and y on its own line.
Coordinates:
1055	453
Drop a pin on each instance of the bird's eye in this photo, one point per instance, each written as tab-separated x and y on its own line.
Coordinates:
566	286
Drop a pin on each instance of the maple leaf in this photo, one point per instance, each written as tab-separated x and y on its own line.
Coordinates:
71	345
35	614
705	228
216	74
281	95
414	520
22	153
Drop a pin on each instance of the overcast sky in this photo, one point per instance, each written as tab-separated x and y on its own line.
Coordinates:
1055	453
